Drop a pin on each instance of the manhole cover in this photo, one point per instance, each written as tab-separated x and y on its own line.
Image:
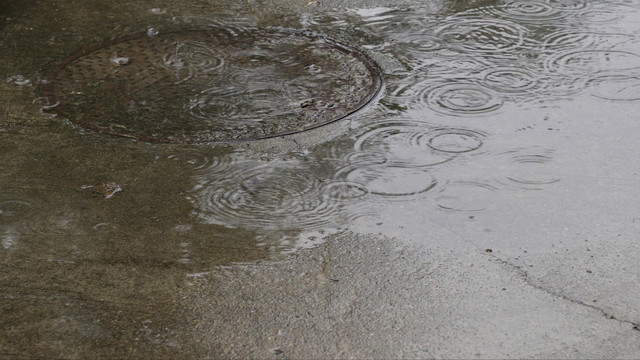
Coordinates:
216	85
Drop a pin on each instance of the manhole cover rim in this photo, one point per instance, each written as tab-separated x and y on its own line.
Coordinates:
48	87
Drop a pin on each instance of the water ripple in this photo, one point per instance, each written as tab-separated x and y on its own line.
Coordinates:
471	196
189	59
394	182
529	168
13	206
196	158
577	39
456	66
477	35
604	13
404	144
527	11
617	88
396	24
455	141
595	61
346	190
419	48
461	99
274	195
570	4
508	79
324	20
9	238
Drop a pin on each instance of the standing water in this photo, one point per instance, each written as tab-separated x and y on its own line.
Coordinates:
387	179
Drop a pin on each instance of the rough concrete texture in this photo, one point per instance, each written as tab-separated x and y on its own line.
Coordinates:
367	297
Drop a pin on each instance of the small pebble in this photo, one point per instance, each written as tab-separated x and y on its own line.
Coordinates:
119	60
106	190
151	32
19	80
50	107
313	69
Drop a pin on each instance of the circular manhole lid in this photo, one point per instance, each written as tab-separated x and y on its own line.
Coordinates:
221	84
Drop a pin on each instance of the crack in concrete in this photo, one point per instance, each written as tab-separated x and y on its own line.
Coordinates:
528	280
525	276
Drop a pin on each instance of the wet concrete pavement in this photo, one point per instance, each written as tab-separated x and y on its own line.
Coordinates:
485	206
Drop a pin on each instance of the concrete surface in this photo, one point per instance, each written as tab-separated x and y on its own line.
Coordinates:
547	266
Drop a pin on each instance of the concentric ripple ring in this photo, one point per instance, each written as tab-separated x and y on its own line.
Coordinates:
214	85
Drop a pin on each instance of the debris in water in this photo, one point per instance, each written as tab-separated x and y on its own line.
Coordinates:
120	60
50	107
18	80
313	69
106	190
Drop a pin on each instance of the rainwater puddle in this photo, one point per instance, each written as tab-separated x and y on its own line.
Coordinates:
476	111
238	141
472	106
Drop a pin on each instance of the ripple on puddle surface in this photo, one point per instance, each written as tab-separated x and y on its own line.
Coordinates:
575	5
418	49
196	158
404	144
605	13
191	59
577	59
465	196
394	182
510	80
262	196
274	195
583	39
9	238
324	20
529	168
472	34
617	88
528	11
455	141
346	190
461	99
593	61
13	206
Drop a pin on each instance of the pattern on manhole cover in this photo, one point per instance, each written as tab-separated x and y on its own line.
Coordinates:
216	85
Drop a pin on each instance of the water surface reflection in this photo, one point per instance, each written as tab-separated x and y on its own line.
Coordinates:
470	74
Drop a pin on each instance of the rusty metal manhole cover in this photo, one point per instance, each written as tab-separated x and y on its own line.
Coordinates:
221	84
